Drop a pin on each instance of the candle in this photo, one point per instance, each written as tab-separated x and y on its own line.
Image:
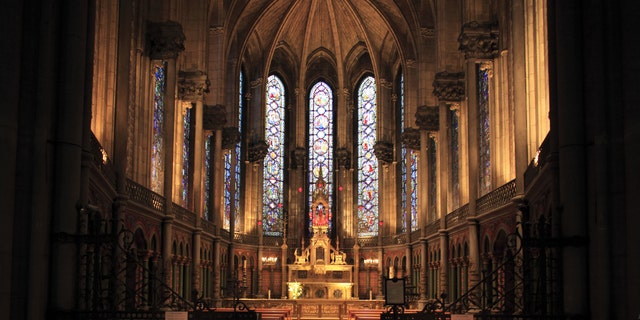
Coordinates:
391	275
269	294
244	264
370	295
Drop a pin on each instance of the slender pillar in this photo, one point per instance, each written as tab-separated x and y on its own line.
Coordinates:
71	107
566	66
424	274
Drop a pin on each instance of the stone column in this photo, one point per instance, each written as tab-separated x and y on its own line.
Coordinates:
214	118
424	278
217	266
67	171
164	41
427	119
567	119
191	87
479	42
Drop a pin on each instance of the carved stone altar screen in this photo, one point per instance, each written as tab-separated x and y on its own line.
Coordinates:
320	269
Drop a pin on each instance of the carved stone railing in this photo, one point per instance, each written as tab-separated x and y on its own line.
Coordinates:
368	241
272	241
224	234
415	234
145	197
433	227
457	216
395	239
209	227
183	214
245	238
496	198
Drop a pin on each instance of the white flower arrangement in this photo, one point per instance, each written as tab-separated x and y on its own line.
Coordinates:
295	288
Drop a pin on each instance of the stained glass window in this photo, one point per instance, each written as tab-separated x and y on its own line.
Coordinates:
157	143
367	161
273	183
455	156
321	140
232	172
186	155
433	176
409	173
207	175
484	129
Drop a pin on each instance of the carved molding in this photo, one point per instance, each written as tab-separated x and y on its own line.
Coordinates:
192	85
255	83
427	118
479	40
428	32
383	151
298	157
384	83
216	29
230	137
411	138
257	151
164	40
343	157
449	86
214	117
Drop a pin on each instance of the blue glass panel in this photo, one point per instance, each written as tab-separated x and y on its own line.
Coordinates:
186	154
273	182
455	158
367	161
485	130
157	143
321	140
207	168
433	176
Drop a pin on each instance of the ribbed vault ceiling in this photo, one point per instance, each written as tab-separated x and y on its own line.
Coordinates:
294	34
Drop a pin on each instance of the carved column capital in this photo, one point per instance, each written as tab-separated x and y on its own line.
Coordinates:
427	118
192	85
214	117
411	138
343	157
257	151
230	137
479	40
383	151
449	86
164	40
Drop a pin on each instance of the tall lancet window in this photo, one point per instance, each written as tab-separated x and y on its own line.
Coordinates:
273	182
367	184
454	136
409	167
207	175
187	159
157	140
232	172
432	153
484	126
321	141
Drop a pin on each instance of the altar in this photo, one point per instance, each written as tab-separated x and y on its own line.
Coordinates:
320	271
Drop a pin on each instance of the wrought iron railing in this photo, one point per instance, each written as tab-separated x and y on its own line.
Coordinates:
499	291
433	227
368	241
457	216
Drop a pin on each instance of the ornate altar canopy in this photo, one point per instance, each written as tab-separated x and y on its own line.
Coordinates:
320	271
